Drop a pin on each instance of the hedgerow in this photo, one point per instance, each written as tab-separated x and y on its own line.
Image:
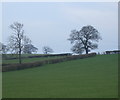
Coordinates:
12	67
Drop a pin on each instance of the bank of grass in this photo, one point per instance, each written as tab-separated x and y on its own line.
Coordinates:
95	77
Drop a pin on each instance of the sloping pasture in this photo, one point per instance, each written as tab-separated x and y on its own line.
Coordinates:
95	77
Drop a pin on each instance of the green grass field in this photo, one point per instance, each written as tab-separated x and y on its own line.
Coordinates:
95	77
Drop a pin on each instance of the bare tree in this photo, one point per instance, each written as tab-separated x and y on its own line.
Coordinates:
17	40
85	39
29	49
3	48
47	50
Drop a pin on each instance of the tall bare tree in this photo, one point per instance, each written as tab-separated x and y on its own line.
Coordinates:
47	50
85	39
17	40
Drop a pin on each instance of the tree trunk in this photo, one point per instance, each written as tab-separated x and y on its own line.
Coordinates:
86	50
20	52
20	58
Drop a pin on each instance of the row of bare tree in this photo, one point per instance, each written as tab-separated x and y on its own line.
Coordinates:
19	43
82	40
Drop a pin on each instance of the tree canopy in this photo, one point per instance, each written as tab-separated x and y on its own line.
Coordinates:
29	49
47	50
84	40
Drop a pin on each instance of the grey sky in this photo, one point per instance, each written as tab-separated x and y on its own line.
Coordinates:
50	23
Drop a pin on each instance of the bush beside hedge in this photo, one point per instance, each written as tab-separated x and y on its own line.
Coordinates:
41	63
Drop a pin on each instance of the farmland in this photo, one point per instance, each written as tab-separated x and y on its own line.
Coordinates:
94	77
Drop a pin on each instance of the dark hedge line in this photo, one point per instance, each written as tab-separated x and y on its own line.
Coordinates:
40	63
37	56
5	64
113	52
50	55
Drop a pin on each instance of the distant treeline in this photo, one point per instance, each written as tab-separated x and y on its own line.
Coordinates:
12	67
113	52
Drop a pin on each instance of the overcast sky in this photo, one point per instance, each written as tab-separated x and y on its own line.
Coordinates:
50	24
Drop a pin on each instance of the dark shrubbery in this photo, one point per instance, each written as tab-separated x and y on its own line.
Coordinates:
9	57
50	55
113	52
40	63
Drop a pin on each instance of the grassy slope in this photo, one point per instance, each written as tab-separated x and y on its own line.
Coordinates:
91	78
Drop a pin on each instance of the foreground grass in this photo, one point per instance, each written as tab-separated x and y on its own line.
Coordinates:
94	77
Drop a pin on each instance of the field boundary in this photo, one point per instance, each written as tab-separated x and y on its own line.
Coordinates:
13	67
36	56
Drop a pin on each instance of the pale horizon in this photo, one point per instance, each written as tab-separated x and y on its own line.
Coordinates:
50	23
